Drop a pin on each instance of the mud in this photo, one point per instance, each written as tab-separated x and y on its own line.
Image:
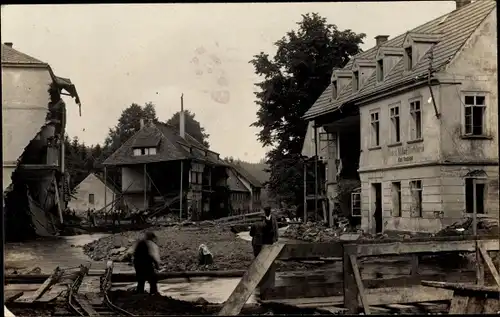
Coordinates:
179	249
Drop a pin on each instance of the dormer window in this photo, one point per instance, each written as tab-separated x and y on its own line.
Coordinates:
380	70
408	58
144	151
355	81
334	89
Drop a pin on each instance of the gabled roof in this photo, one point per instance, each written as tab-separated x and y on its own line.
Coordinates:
170	147
245	174
234	183
12	56
109	183
455	28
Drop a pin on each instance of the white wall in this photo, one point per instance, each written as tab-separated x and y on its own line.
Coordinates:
91	185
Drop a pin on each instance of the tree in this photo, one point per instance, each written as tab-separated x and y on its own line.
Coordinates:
128	124
193	127
293	79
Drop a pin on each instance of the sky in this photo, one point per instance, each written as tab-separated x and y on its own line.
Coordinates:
118	54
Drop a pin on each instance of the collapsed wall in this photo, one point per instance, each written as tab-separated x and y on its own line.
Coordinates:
32	203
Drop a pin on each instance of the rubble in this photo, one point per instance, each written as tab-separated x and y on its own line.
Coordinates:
316	231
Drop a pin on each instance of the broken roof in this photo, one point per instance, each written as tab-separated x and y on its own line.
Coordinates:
170	147
454	28
245	174
11	56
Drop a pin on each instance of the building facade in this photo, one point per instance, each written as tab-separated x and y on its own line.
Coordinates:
93	193
426	107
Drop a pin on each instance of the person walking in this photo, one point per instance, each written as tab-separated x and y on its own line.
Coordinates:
146	261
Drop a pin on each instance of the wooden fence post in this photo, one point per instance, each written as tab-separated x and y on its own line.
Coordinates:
351	291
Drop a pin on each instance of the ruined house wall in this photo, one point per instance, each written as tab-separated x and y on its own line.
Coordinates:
476	69
24	108
91	185
133	186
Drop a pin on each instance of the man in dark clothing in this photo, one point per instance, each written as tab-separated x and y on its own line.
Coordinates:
256	231
270	230
146	260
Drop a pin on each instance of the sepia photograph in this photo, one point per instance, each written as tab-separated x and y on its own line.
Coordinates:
274	158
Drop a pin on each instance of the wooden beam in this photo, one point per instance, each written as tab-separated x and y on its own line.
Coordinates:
54	278
489	264
305	289
458	305
85	305
411	247
351	292
461	287
11	296
251	279
311	250
359	283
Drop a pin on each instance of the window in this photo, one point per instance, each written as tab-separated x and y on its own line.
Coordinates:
144	151
356	204
355	81
415	120
396	199
334	89
375	124
416	198
380	70
474	114
408	58
91	199
476	196
395	123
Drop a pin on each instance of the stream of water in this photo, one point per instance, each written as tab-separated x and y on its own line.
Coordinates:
49	253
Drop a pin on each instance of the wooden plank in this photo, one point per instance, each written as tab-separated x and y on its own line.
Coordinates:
380	296
45	286
491	306
406	295
351	291
85	305
359	283
12	296
493	290
475	305
251	279
311	250
412	247
479	266
320	288
458	305
489	264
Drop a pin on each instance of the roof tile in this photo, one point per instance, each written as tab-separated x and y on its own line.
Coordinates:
12	56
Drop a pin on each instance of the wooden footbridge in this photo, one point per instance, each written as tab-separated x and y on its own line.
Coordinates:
351	293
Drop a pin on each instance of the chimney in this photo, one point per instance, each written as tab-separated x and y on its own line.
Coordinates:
142	123
9	44
461	3
182	119
381	39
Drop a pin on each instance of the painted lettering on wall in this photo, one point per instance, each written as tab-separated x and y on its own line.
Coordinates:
403	159
407	150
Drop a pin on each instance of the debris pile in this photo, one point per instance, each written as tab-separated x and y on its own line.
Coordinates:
316	231
485	227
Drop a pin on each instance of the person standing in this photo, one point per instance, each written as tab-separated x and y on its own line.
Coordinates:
146	261
270	230
256	234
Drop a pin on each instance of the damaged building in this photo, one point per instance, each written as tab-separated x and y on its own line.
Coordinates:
34	119
164	169
417	117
